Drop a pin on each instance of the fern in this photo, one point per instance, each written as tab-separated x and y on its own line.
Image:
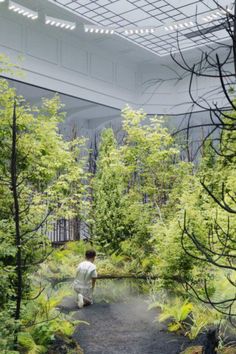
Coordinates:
26	341
176	311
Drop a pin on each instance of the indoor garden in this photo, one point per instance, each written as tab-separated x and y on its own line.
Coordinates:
156	202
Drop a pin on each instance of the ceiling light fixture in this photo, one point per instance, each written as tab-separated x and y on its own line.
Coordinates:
228	10
126	31
52	21
216	15
136	30
98	30
177	25
220	14
172	27
21	10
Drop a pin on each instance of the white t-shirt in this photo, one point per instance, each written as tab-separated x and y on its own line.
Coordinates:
85	272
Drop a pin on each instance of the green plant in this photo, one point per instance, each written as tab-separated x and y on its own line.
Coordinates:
190	317
42	323
27	343
37	338
108	186
41	180
202	317
177	312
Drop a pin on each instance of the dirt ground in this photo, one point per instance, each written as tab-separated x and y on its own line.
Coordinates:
123	328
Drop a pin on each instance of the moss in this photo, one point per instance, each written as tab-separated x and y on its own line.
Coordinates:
229	350
77	350
64	345
198	350
193	350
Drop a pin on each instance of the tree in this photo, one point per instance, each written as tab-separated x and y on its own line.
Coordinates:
108	187
41	180
133	184
151	159
218	246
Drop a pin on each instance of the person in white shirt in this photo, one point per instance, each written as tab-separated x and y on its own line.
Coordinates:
85	279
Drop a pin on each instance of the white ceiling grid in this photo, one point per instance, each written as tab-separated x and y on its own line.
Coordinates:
119	14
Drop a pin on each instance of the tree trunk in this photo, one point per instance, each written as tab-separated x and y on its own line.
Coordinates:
16	216
234	39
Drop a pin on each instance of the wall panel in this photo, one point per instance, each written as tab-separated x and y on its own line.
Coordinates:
101	68
74	58
125	77
11	34
42	45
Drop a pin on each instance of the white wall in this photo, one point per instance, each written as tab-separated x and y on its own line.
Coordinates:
66	62
171	96
62	61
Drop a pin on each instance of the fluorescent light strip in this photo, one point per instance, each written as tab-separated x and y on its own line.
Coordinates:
179	25
22	10
98	30
172	27
143	31
136	30
52	21
109	30
147	30
216	15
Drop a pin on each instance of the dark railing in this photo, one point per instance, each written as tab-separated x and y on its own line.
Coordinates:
64	230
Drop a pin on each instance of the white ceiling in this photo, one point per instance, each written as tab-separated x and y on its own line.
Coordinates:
123	14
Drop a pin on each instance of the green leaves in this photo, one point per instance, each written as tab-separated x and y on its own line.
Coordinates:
188	317
49	184
27	343
108	195
133	181
177	311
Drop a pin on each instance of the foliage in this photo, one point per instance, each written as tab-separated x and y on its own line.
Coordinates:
193	350
177	311
133	184
42	322
62	263
149	213
188	317
213	243
145	198
7	67
108	195
57	273
195	243
41	180
26	341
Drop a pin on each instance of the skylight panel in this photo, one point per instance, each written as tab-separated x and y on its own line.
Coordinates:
133	20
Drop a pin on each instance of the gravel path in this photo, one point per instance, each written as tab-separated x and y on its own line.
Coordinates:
124	328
